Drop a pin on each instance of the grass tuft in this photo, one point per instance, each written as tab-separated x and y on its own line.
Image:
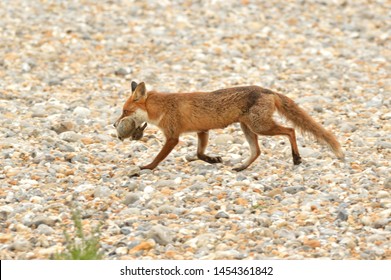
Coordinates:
80	247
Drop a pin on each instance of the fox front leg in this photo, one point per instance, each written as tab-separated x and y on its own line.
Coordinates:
167	148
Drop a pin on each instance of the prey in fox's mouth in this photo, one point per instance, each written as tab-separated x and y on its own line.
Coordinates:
126	128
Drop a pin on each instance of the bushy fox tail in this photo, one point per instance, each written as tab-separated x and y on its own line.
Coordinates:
289	109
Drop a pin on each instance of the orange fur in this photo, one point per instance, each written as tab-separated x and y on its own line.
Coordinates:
252	106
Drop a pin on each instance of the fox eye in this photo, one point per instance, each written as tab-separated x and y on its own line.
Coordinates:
125	112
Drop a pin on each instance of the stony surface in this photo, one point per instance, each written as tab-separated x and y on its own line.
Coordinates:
66	68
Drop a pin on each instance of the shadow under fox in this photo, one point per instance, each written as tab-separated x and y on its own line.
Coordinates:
251	106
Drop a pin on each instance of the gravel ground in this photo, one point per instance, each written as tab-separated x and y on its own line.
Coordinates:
65	67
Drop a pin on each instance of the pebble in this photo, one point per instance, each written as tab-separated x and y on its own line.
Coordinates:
224	139
144	246
294	189
166	209
367	221
6	211
381	223
348	127
161	234
131	198
126	230
102	192
70	136
121	251
387	183
383	194
383	144
84	188
386	116
133	171
197	210
221	215
123	71
20	245
308	153
81	112
63	86
229	254
342	215
201	240
31	220
44	229
61	126
348	242
375	101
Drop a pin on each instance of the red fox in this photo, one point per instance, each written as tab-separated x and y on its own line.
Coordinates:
251	106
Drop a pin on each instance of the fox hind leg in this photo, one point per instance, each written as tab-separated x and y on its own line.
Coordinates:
276	129
252	139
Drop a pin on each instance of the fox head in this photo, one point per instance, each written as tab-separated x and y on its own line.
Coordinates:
134	106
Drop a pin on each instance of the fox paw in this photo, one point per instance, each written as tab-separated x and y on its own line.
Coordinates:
212	160
205	158
149	166
240	168
297	160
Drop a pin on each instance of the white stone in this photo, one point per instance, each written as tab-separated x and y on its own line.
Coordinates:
82	112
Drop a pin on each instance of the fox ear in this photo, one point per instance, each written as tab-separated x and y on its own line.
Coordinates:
134	85
140	92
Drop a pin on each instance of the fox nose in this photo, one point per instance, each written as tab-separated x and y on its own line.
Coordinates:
115	124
